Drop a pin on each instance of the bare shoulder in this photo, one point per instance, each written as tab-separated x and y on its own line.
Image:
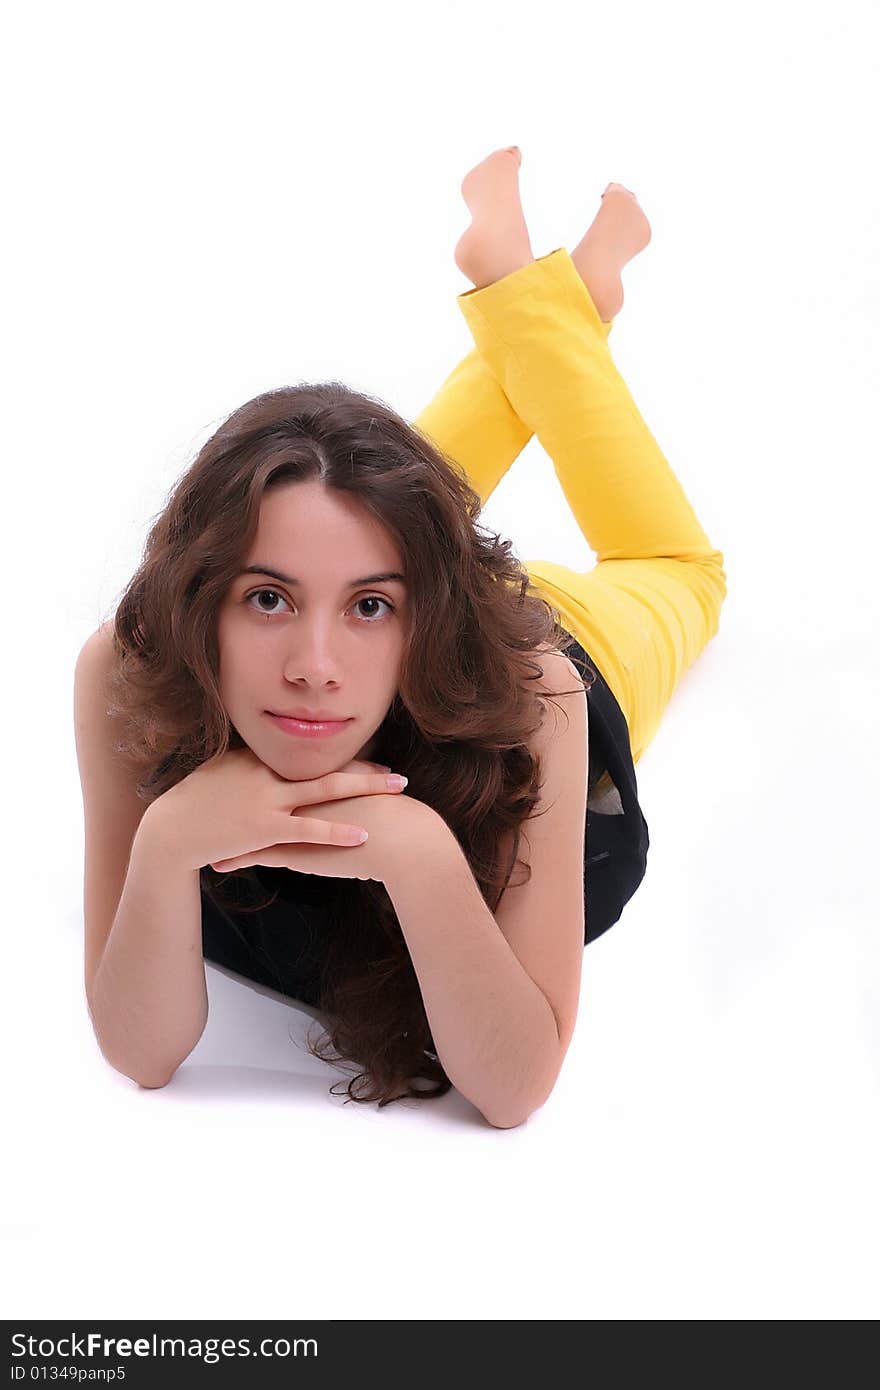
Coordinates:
557	659
559	675
96	655
101	770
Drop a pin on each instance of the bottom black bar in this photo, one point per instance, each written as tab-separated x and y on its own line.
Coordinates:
310	1352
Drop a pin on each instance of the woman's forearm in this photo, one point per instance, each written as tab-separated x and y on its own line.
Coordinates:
148	1000
494	1031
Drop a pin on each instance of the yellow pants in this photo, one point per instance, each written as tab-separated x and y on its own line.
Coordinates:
542	366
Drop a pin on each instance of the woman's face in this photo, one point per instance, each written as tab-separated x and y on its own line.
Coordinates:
328	643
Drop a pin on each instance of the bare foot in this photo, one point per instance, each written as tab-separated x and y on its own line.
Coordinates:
619	231
497	241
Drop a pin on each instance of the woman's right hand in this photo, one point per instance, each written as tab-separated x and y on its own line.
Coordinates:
234	804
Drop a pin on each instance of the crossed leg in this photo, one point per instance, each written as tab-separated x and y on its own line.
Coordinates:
541	365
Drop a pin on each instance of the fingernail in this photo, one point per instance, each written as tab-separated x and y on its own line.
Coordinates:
396	782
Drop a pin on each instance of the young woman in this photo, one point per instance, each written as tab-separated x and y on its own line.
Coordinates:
318	602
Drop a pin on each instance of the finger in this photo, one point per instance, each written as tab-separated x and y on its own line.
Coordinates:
238	861
311	830
363	765
335	785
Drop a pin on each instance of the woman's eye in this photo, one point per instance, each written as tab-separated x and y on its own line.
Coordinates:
374	598
273	593
259	594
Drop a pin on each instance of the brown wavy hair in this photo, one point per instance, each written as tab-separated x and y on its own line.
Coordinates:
458	726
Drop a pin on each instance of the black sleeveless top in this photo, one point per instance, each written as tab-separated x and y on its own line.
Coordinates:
617	840
281	945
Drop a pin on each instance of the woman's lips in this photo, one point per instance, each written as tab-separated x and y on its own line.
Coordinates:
309	728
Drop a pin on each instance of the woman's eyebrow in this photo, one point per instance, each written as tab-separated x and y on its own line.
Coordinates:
390	576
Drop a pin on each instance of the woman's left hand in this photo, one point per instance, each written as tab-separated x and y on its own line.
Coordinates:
395	823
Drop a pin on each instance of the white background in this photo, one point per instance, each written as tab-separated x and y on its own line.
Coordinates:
208	200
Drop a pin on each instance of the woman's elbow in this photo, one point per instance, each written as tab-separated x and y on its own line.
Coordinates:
152	1085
